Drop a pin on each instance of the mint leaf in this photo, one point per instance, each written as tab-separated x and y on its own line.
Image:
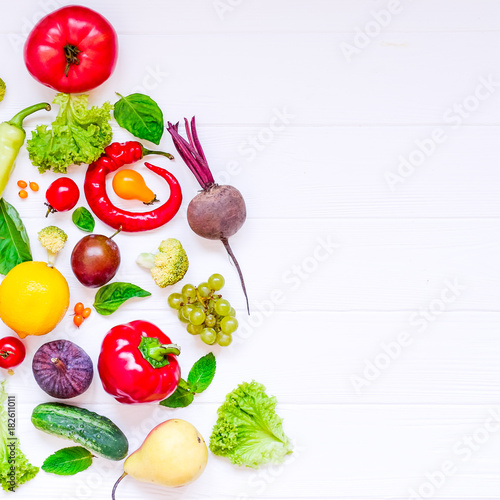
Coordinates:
83	219
14	241
68	461
199	378
181	398
141	116
202	373
110	297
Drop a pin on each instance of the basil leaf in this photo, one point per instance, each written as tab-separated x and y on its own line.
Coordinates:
83	219
110	297
179	399
14	241
68	461
141	116
202	373
2	90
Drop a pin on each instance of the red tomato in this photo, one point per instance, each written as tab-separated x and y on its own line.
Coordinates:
62	195
71	50
12	352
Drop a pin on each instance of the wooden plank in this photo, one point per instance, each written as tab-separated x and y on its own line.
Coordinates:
307	265
324	358
230	16
300	78
326	172
372	452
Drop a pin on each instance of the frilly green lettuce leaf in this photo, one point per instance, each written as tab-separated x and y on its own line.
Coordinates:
78	135
248	431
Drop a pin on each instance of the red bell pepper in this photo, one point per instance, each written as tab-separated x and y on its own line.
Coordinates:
138	363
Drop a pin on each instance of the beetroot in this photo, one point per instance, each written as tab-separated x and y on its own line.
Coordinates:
217	212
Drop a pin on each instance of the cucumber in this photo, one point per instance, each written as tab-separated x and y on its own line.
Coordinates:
91	430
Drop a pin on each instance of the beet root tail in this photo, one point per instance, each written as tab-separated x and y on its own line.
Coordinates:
225	242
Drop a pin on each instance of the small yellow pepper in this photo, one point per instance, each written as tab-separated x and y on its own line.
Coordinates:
12	137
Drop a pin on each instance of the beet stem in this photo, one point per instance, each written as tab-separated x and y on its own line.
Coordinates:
183	149
188	132
225	242
192	153
203	169
197	146
196	141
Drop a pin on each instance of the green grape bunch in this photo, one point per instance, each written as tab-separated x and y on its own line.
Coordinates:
205	312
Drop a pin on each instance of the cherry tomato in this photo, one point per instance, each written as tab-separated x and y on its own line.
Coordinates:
12	352
130	185
73	49
62	195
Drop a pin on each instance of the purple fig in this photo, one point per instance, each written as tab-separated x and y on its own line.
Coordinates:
62	369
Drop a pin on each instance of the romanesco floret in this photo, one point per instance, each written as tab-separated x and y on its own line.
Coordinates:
53	240
168	265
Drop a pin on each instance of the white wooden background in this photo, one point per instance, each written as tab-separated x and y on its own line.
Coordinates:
375	308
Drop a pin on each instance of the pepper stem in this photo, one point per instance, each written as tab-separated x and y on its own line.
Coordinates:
156	353
17	121
150	152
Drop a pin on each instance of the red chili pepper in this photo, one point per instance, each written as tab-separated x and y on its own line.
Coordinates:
138	363
115	156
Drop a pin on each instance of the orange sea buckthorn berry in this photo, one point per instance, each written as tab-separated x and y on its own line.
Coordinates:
77	320
34	186
79	308
22	184
23	194
86	312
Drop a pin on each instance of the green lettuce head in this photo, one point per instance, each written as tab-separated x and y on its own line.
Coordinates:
248	430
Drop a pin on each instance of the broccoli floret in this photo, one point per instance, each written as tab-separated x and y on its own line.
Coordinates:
168	265
53	240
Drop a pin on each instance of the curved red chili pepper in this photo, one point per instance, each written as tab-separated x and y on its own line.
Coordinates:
115	156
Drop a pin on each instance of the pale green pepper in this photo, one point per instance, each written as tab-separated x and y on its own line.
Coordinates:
12	137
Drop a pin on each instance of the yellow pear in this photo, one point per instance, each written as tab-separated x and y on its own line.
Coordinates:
173	454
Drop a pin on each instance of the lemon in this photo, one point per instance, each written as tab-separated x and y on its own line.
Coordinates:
33	298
